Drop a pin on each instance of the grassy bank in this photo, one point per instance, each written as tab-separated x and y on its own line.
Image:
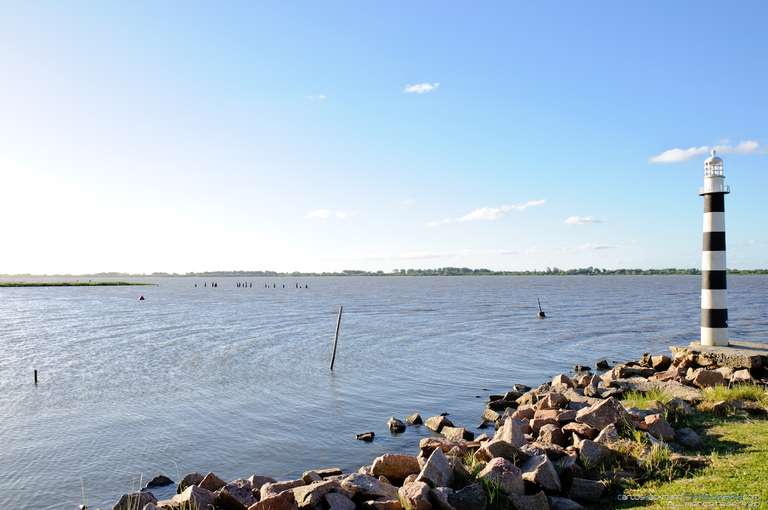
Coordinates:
71	284
737	449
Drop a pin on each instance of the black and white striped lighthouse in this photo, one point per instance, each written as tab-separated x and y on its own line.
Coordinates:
714	306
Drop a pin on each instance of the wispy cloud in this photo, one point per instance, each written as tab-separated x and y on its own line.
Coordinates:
581	220
317	98
595	247
677	155
421	88
487	213
326	214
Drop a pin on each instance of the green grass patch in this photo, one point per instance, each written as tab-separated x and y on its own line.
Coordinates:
644	400
735	478
737	392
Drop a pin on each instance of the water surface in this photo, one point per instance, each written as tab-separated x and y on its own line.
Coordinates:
236	380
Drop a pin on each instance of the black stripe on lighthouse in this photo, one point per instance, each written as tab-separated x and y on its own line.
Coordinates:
714	318
713	280
714	202
713	241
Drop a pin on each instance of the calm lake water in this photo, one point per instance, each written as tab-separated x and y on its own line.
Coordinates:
236	381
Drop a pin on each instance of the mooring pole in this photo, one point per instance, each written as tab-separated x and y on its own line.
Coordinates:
336	337
35	377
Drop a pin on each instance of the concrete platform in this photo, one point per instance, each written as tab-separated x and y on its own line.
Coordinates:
739	354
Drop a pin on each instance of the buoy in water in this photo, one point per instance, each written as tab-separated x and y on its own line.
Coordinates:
542	315
141	298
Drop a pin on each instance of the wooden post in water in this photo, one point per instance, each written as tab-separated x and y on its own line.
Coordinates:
336	337
35	377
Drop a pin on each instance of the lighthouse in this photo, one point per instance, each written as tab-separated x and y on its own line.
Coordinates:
714	307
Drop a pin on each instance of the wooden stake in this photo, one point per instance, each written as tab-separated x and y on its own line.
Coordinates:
35	377
336	337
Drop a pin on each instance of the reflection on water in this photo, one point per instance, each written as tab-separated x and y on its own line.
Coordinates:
236	380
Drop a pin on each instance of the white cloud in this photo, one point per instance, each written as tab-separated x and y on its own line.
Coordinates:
593	247
581	220
680	155
317	97
487	213
319	214
325	214
420	88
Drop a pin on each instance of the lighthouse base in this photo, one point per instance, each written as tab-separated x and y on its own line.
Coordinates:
714	336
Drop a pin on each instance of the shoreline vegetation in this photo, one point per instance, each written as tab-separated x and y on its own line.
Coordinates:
72	284
440	271
684	431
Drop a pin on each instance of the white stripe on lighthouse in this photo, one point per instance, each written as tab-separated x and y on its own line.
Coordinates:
713	298
713	261
714	222
714	336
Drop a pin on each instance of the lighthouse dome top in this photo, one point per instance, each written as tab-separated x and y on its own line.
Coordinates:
713	165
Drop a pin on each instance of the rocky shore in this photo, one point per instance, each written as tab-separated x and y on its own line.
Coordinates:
572	442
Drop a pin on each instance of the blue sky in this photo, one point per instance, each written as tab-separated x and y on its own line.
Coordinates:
191	136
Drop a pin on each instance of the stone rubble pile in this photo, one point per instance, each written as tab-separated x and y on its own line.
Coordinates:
557	446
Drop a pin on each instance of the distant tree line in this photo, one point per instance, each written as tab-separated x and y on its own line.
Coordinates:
440	271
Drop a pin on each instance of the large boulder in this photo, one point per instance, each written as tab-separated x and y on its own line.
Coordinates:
414	419
512	432
471	497
258	480
194	498
592	454
363	487
310	496
158	481
271	489
552	434
189	479
582	429
134	500
338	501
586	491
503	474
457	433
552	400
660	362
660	428
677	390
282	501
236	495
212	482
415	496
563	380
540	471
395	467
437	471
600	415
440	498
436	423
704	378
610	434
536	501
395	425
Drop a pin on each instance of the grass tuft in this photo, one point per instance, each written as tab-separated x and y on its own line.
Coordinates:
644	400
737	392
